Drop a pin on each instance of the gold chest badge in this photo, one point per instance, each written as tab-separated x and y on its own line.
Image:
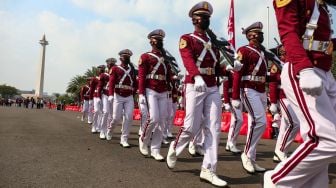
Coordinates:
282	3
183	43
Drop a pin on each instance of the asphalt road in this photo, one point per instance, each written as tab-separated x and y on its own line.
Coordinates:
49	148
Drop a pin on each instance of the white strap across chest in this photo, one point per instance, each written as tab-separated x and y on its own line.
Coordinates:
207	47
126	73
160	62
312	24
260	61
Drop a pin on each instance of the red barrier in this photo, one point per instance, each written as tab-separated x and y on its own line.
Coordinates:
225	124
136	114
179	117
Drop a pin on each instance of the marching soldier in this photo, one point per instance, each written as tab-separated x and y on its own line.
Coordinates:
250	82
85	96
154	75
289	123
305	31
203	103
122	86
97	106
236	120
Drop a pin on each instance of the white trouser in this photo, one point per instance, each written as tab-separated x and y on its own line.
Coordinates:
157	106
308	165
235	125
123	107
85	109
255	103
90	113
171	108
144	116
106	108
289	126
203	111
97	111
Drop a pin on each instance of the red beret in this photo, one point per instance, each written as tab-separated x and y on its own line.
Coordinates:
201	8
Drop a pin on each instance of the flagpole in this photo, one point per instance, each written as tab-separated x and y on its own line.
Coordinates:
268	27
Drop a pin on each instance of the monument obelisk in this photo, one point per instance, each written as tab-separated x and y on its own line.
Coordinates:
40	81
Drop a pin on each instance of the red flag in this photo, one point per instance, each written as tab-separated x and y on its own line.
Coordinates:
231	26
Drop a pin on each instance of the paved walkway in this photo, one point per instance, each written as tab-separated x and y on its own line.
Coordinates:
49	148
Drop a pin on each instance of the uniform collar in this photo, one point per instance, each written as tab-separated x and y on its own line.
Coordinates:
156	51
254	45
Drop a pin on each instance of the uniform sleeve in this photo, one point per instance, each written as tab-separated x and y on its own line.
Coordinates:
273	85
226	88
288	26
187	56
91	89
142	73
111	84
236	78
100	85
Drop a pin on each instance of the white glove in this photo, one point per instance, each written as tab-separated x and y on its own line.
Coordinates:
227	106
276	120
110	98
273	108
199	85
310	82
235	103
142	99
228	67
90	102
237	65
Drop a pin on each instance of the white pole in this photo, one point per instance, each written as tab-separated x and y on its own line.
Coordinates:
268	27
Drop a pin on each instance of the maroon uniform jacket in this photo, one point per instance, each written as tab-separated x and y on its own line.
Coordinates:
129	84
292	20
94	87
102	84
249	58
85	93
227	86
275	92
157	81
190	49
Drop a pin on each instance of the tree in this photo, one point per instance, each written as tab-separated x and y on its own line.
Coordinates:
8	91
75	86
91	72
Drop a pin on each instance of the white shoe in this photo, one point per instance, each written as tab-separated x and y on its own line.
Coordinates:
143	147
227	147
157	156
82	119
171	156
247	163
279	156
192	149
124	144
102	135
109	135
165	141
140	132
234	149
93	130
200	151
267	180
170	135
258	168
211	177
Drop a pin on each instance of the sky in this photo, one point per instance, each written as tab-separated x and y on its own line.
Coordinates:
84	33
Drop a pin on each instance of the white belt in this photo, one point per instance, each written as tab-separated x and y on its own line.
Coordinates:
254	78
315	45
124	87
156	77
207	71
